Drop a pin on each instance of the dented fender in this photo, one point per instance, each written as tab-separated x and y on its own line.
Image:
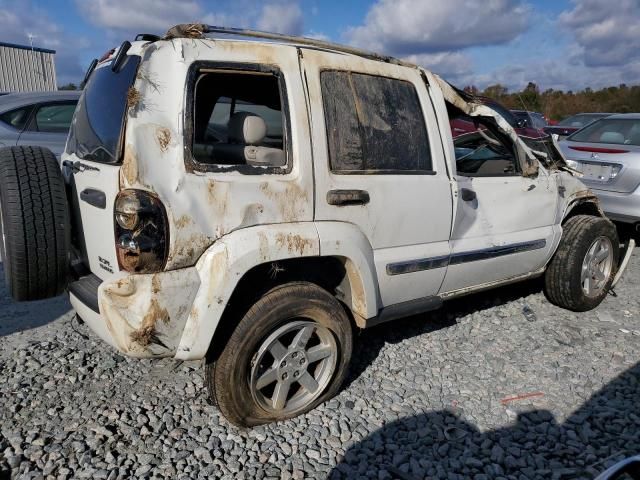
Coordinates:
145	314
222	266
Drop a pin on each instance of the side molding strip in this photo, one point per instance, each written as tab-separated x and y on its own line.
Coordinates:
463	257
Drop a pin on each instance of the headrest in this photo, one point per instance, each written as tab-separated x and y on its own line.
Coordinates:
247	128
612	137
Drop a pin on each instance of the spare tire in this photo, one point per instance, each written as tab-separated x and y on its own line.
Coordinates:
34	223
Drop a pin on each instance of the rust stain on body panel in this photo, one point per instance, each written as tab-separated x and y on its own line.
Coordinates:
294	243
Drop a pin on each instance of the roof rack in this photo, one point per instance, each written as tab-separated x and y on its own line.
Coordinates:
304	41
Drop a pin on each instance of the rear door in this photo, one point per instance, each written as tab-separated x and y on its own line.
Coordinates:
379	164
49	126
91	163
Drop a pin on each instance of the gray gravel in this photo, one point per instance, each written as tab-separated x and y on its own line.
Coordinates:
428	397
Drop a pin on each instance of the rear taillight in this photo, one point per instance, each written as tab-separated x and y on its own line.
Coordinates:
141	230
599	150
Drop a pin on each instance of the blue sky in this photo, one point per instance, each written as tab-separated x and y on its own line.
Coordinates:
563	44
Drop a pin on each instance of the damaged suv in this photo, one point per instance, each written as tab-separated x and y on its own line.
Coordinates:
252	199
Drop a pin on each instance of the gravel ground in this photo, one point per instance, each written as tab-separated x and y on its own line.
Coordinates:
428	397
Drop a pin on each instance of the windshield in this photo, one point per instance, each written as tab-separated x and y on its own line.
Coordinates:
613	131
96	130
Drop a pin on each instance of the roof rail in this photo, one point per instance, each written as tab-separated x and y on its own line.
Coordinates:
304	41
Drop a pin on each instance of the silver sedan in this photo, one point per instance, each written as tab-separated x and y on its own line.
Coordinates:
607	152
39	119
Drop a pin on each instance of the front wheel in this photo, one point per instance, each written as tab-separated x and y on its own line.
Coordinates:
289	353
580	274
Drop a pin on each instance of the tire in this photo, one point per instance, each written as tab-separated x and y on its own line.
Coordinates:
35	223
284	313
564	285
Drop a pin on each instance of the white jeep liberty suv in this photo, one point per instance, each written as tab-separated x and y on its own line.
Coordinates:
252	199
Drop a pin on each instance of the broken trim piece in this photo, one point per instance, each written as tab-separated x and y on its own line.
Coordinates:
625	261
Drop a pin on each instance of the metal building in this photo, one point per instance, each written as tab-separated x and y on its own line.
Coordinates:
26	69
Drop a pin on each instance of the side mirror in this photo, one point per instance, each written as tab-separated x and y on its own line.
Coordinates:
628	469
521	123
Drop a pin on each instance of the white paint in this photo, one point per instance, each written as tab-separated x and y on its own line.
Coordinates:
224	224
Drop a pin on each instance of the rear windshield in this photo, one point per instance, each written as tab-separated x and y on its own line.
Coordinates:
579	121
617	131
96	130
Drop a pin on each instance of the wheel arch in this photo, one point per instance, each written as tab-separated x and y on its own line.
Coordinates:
245	264
585	204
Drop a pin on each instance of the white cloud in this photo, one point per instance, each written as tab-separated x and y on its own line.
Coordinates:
141	15
608	33
154	16
450	65
281	17
406	27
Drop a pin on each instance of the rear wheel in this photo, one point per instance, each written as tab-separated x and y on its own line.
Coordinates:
288	354
34	222
582	270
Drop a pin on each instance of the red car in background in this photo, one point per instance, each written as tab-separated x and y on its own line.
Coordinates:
460	126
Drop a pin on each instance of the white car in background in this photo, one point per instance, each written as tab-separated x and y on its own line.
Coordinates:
40	118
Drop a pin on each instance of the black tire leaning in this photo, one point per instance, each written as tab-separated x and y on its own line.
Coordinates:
35	223
563	285
227	376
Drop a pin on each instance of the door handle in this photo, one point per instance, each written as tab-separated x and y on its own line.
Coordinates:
468	195
343	198
94	197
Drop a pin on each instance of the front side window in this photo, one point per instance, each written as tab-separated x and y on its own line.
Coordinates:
484	152
238	120
17	118
53	118
374	124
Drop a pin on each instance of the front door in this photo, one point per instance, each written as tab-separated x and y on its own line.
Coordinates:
505	222
379	165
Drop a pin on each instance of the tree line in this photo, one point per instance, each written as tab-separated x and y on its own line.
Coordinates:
557	104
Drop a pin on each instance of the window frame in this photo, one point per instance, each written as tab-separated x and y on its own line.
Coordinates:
195	69
32	122
369	171
30	109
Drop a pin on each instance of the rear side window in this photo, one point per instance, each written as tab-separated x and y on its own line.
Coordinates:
374	124
96	130
53	118
16	118
239	121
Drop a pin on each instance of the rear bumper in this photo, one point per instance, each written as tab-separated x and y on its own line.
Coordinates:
140	315
621	207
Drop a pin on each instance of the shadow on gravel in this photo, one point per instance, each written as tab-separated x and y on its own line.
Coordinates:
369	342
17	317
435	445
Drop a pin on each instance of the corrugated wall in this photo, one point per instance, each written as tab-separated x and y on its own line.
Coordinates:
26	70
